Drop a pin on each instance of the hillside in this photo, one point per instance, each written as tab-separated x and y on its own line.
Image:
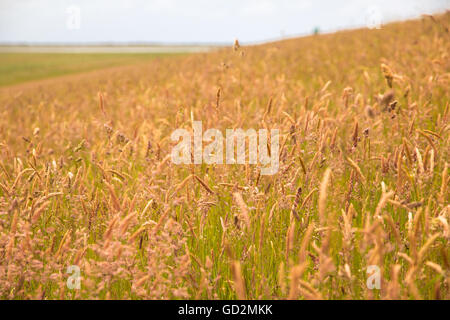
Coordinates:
87	180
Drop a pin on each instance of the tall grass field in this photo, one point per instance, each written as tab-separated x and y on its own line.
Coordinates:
93	207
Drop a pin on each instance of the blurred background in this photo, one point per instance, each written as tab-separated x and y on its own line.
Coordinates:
41	39
194	21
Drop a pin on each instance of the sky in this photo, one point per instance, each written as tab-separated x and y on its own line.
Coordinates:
194	21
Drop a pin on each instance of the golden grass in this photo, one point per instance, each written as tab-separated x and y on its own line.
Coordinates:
86	177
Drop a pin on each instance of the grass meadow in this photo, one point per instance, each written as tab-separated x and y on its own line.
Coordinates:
86	177
21	67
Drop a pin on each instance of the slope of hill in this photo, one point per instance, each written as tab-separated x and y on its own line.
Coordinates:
86	177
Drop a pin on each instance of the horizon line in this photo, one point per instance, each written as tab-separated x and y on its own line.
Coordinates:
144	43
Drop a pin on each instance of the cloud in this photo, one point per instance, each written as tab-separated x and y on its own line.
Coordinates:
258	8
191	21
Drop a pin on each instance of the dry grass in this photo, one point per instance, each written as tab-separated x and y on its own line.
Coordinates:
86	178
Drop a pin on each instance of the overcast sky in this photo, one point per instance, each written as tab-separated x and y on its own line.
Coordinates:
188	21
